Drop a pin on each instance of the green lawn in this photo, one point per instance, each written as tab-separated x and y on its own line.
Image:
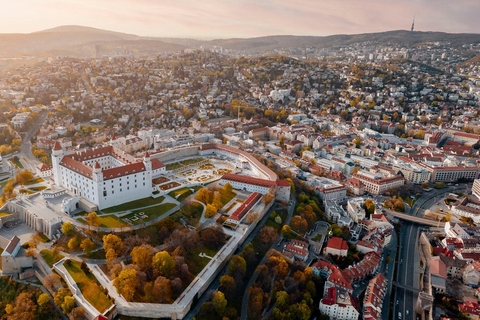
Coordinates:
5	213
17	163
176	165
110	221
50	257
183	193
191	213
152	212
145	202
99	254
88	285
197	263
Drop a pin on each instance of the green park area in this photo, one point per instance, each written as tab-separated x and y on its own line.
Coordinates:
51	257
132	205
109	221
183	193
148	214
190	213
16	162
88	285
176	165
196	262
34	181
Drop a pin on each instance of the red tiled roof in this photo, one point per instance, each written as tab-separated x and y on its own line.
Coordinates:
57	146
12	244
157	164
249	180
337	243
123	170
245	206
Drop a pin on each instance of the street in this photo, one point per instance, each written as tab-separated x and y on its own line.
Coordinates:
408	264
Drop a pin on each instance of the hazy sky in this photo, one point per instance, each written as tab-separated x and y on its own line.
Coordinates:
241	18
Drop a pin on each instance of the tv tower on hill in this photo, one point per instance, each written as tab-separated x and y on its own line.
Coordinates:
413	24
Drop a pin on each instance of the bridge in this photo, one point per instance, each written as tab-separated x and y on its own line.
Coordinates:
419	220
398	285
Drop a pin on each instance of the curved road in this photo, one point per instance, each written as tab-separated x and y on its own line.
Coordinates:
26	146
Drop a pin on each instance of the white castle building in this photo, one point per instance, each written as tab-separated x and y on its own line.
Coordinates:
105	176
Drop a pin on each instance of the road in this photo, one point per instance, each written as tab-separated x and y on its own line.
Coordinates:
408	264
26	147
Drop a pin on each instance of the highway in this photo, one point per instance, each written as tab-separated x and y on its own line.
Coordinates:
408	263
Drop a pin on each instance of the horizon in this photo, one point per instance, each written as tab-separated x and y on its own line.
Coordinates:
209	39
213	19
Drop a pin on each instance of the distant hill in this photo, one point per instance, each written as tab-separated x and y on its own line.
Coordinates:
81	41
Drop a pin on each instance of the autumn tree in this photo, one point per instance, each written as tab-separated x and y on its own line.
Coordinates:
68	304
277	263
286	231
268	234
251	217
87	246
60	296
204	195
163	263
23	176
142	256
52	282
228	285
74	243
237	268
127	283
68	228
113	242
282	299
227	189
92	219
22	308
369	207
77	313
162	290
210	211
219	303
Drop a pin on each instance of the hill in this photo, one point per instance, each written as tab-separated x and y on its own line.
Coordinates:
81	41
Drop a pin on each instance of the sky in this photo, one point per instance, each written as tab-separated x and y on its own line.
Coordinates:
208	19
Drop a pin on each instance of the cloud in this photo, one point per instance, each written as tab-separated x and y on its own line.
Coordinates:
242	18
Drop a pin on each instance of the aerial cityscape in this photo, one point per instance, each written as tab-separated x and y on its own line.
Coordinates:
257	169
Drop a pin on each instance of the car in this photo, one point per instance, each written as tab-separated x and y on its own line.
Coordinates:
397	303
407	312
399	315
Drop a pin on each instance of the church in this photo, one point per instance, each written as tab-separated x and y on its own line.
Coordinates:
105	176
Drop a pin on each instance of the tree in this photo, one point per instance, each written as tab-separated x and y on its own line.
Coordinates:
425	185
51	282
300	310
23	307
59	296
268	234
142	256
227	189
228	285
219	303
268	198
238	266
43	300
113	242
251	217
162	290
92	219
292	185
68	228
68	304
127	283
286	231
74	243
277	263
369	207
77	313
87	246
299	223
210	211
23	176
163	263
204	195
282	299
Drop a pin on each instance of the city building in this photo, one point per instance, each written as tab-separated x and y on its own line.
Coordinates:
336	247
104	176
376	183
